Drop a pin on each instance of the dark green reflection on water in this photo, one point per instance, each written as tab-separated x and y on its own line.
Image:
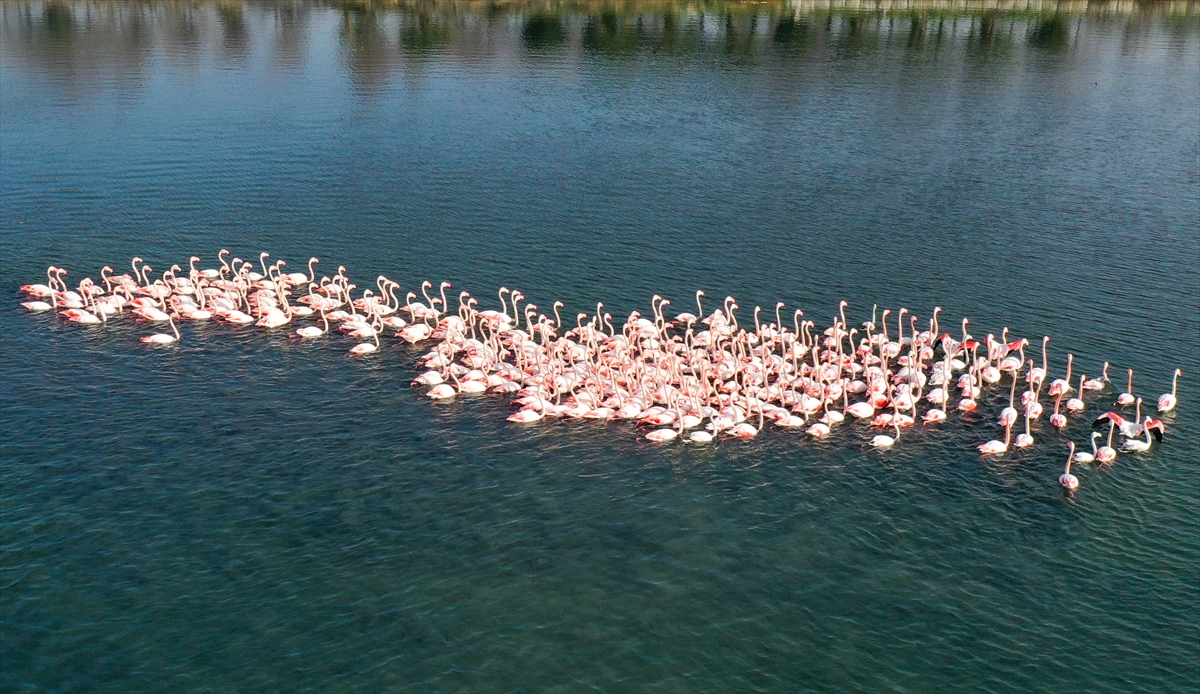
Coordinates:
58	20
376	38
1051	33
792	33
543	31
424	33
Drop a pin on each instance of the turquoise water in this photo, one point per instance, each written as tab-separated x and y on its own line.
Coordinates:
244	512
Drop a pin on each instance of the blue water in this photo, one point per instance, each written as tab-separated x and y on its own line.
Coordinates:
245	512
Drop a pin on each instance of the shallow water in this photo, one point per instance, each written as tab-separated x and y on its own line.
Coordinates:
245	512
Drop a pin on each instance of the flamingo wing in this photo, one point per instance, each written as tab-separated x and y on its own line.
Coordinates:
1110	416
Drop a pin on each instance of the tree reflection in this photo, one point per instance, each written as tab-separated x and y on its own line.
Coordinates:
289	44
1050	33
79	40
424	33
368	52
543	31
234	39
791	33
611	34
58	21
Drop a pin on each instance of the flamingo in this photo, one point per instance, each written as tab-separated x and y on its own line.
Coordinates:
1084	456
1106	453
669	432
994	447
1059	386
673	374
298	278
1024	440
314	331
884	441
37	306
1008	416
1067	480
747	431
1128	428
1038	374
1058	420
1166	401
1126	399
42	291
1138	445
1013	364
1077	404
367	347
528	414
163	338
1097	383
861	410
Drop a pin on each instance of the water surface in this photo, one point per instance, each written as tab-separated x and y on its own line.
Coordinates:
245	512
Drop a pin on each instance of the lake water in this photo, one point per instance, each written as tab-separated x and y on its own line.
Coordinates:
243	512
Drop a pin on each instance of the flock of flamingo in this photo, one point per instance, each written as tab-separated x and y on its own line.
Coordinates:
694	377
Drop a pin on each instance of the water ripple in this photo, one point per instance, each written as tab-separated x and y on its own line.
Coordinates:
248	512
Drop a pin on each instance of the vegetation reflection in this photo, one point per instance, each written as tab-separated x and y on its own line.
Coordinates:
377	38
